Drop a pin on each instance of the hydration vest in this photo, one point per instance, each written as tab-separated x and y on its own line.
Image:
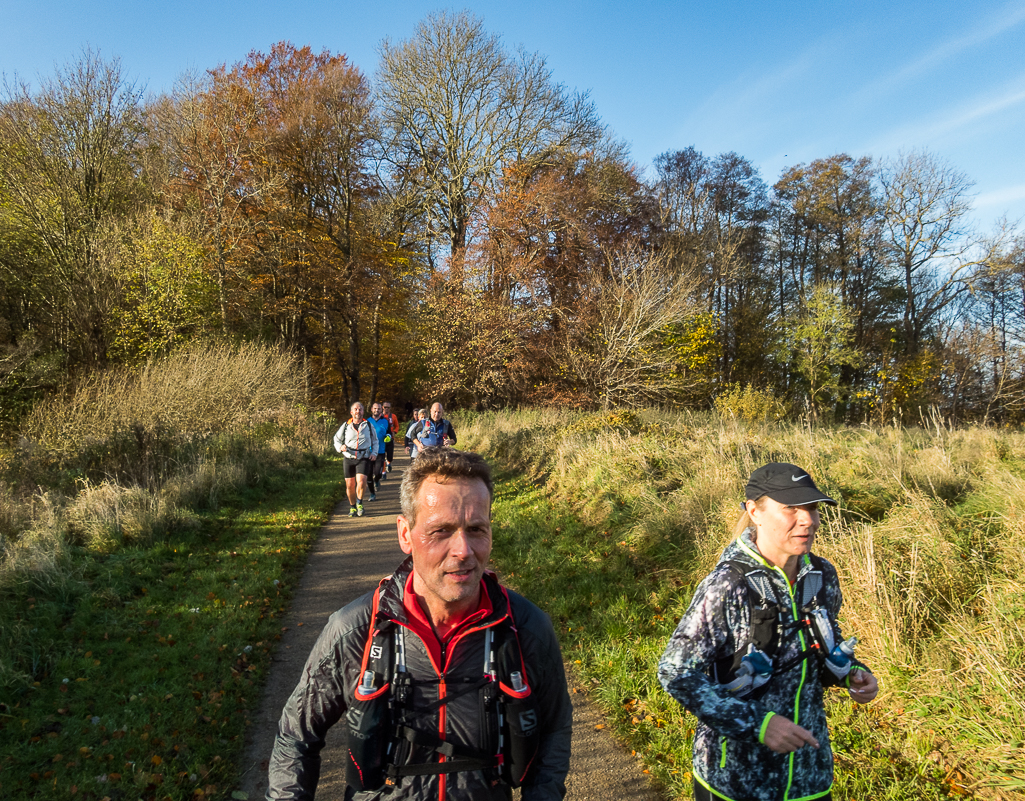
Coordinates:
361	453
431	433
768	633
382	721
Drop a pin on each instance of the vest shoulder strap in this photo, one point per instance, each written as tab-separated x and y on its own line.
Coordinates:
380	739
764	607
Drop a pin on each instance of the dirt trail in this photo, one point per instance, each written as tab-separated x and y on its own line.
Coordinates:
349	558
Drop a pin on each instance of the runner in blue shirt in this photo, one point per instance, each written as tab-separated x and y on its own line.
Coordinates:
382	426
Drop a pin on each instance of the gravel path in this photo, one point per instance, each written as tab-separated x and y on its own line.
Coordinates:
349	558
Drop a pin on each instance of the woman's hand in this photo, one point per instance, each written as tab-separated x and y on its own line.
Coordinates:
784	736
864	686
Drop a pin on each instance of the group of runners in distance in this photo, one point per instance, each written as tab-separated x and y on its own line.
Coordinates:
368	446
452	686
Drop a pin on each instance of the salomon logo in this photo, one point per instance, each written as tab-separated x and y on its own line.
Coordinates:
528	720
376	651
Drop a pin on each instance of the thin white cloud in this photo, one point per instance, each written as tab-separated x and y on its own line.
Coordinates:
750	102
927	131
1001	197
1010	16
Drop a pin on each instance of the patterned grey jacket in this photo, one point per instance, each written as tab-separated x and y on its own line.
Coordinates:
729	757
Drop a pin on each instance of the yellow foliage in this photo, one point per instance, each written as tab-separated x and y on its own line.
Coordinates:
750	404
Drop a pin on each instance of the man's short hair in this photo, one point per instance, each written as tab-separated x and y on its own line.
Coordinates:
443	464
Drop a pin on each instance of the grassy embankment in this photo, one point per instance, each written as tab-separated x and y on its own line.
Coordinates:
151	528
609	523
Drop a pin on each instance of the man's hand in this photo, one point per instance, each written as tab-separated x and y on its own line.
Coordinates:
373	456
864	686
784	736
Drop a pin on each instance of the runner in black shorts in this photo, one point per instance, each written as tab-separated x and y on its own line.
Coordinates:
356	440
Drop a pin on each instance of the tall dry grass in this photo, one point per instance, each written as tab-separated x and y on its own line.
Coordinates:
927	541
129	455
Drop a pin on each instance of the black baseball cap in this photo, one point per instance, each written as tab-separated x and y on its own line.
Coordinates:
785	483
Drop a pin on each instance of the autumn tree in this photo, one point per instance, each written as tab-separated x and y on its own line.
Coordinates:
619	353
167	297
539	253
821	339
472	346
825	227
210	128
278	154
713	214
458	107
545	230
928	237
682	191
984	345
69	155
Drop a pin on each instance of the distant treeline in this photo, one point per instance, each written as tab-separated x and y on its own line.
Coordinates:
461	225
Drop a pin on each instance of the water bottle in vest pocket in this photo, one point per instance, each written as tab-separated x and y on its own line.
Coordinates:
521	722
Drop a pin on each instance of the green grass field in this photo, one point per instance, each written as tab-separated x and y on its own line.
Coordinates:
133	674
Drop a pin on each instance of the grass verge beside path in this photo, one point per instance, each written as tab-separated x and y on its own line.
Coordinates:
134	676
609	521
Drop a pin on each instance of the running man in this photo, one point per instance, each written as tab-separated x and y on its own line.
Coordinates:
356	440
435	430
380	426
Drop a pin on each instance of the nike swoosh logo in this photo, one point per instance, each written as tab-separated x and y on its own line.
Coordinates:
797	478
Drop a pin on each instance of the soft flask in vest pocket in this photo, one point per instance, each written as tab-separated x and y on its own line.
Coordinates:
369	715
521	724
369	735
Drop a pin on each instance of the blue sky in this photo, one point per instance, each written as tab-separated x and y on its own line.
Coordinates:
779	83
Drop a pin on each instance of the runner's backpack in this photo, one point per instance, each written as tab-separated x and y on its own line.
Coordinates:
367	450
431	433
382	720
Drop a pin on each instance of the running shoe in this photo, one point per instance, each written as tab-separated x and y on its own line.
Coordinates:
373	496
352	511
359	510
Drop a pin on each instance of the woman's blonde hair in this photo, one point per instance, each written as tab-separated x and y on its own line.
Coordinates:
745	521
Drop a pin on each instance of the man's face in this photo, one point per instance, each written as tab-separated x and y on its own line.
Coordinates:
450	543
437	410
357	411
375	410
387	410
